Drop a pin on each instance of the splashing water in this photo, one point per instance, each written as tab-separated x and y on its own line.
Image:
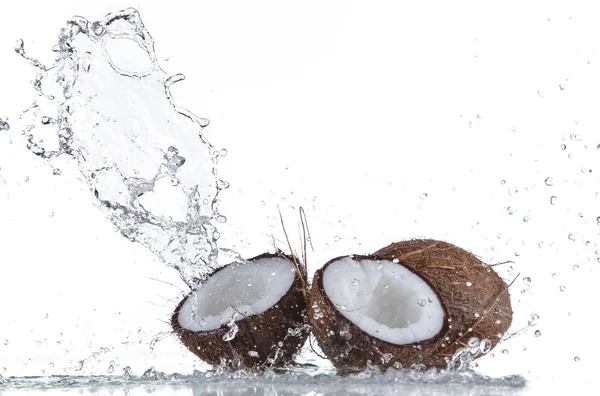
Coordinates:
152	172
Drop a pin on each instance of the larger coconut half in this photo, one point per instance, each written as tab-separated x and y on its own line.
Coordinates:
246	315
411	303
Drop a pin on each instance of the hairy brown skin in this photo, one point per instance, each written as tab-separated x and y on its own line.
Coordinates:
447	269
259	333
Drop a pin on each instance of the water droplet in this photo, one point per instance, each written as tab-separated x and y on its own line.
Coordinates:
574	137
510	210
562	87
26	179
51	365
562	288
513	190
554	274
5	342
110	369
485	346
537	333
355	282
4	125
575	267
337	238
423	196
421	303
549	181
526	219
253	354
504	351
553	200
502	181
576	359
563	146
469	284
571	237
598	220
473	342
533	319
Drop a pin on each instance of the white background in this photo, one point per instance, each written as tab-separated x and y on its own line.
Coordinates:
352	110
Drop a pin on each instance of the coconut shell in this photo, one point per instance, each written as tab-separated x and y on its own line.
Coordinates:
474	298
269	339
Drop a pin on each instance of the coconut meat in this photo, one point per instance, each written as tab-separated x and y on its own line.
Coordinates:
384	299
237	291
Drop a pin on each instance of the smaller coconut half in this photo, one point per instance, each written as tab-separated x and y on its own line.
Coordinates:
246	315
413	303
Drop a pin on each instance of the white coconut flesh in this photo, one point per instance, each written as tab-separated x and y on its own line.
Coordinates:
384	299
237	291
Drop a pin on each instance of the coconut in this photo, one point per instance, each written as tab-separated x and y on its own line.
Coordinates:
410	304
246	315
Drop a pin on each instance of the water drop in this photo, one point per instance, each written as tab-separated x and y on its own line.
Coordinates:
549	181
485	346
598	220
4	125
576	359
423	196
469	284
504	351
575	267
533	319
355	282
51	365
126	372
553	200
562	288
571	237
26	179
421	303
537	333
574	137
337	238
5	342
513	190
510	210
562	87
563	146
473	342
526	219
253	354
110	369
502	181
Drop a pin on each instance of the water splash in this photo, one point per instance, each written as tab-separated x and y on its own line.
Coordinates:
149	167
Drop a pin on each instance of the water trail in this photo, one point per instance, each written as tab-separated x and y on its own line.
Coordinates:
149	167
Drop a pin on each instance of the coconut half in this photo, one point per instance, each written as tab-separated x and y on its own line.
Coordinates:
411	303
246	315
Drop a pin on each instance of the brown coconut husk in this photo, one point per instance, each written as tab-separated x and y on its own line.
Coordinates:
276	335
446	269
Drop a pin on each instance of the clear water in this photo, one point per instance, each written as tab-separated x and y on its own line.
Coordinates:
152	173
